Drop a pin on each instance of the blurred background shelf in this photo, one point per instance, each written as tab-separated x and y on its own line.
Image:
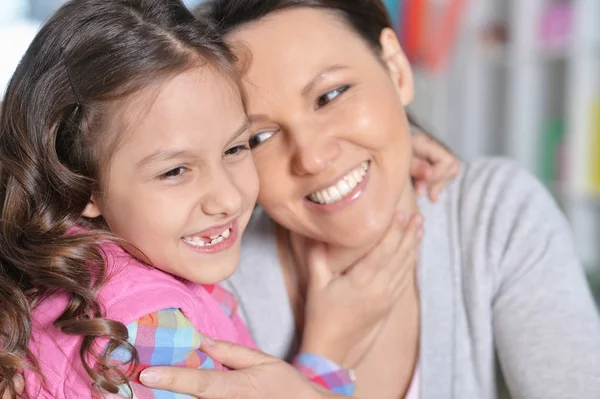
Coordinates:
522	80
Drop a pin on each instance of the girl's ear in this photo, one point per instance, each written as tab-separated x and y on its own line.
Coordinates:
92	210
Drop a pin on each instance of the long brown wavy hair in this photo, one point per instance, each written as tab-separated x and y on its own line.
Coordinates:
54	140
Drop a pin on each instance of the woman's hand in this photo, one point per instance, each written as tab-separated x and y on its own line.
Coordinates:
345	313
433	165
255	375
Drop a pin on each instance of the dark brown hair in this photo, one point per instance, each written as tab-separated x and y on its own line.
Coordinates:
366	17
53	140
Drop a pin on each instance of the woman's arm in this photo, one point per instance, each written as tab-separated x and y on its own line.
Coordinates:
255	375
546	325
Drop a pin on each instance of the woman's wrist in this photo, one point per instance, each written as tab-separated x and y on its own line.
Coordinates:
326	373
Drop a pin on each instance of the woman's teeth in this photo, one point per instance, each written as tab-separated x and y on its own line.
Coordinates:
342	188
207	241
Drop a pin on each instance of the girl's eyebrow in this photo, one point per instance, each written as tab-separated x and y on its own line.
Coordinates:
163	155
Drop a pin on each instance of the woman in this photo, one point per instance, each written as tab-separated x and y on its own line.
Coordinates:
499	283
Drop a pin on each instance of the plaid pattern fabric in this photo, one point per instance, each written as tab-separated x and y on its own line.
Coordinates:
325	373
163	338
168	338
225	298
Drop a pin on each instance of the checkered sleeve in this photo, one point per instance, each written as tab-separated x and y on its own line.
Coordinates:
325	373
163	338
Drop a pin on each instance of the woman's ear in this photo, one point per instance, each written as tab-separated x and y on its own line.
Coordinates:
397	64
92	210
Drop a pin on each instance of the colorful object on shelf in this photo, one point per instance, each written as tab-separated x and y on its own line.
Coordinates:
428	29
393	7
556	25
552	153
595	147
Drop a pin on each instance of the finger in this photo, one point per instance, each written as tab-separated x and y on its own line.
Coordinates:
420	169
436	190
366	268
440	180
319	273
205	384
420	188
425	146
233	355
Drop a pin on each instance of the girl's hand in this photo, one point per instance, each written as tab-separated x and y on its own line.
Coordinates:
433	165
255	375
344	314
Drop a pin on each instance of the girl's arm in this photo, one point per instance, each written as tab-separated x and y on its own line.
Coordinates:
433	165
168	338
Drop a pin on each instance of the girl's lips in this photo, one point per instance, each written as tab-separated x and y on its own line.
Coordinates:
220	246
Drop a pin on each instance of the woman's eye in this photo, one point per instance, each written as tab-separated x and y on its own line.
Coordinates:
173	173
331	95
237	150
259	138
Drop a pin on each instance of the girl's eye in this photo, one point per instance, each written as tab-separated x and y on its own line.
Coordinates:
237	150
260	138
173	173
331	95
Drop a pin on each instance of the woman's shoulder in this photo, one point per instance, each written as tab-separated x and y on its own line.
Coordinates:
490	176
495	186
502	209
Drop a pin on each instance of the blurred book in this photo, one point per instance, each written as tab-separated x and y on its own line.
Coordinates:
595	147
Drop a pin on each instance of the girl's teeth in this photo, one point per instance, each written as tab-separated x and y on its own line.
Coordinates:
199	242
342	188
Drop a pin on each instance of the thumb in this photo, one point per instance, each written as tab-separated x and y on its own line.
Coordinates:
233	355
319	273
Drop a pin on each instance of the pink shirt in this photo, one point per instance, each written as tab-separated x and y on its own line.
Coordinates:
133	291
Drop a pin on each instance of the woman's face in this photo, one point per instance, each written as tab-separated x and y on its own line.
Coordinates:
332	145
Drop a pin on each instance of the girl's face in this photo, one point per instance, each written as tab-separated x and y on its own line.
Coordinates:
181	184
330	135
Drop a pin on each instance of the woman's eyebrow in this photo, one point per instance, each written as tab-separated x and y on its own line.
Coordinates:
320	76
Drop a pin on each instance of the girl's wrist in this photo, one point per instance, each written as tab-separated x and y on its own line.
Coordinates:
326	373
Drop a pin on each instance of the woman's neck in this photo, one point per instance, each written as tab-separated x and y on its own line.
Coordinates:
341	258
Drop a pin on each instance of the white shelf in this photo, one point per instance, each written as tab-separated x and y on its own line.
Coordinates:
500	99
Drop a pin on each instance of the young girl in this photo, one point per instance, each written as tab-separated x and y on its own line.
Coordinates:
126	184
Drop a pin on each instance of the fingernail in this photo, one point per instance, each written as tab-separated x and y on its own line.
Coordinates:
209	341
401	217
421	232
419	219
149	377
